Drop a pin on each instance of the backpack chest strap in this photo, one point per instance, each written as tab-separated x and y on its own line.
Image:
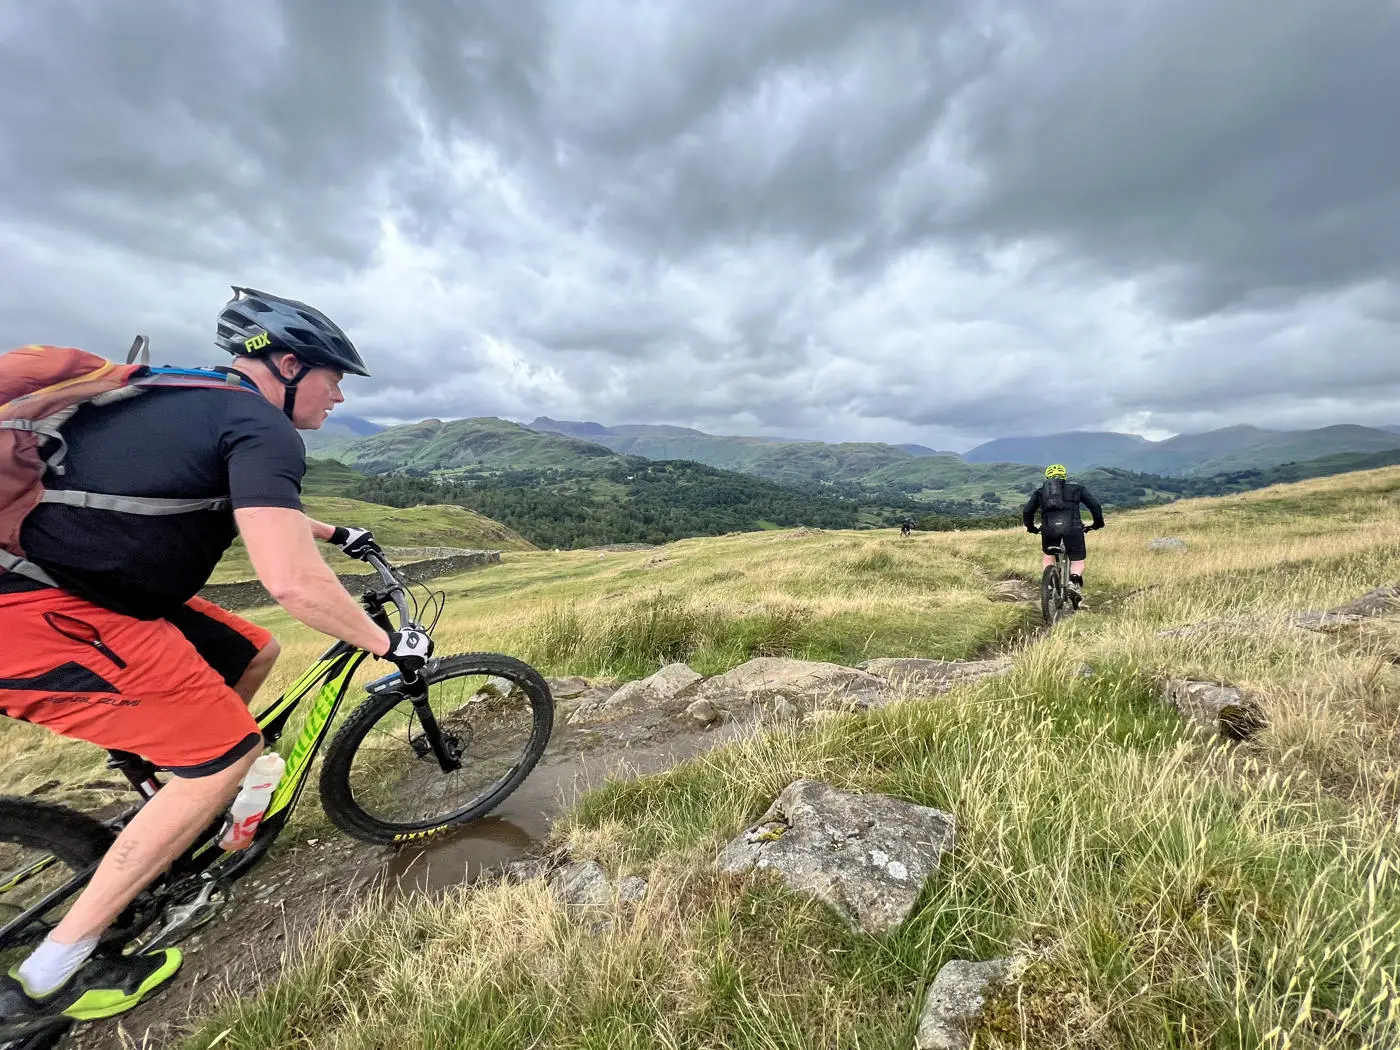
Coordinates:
155	506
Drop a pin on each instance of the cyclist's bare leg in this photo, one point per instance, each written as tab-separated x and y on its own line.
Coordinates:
157	834
1076	568
258	669
1048	561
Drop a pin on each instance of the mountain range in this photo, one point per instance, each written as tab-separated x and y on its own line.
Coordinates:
1213	452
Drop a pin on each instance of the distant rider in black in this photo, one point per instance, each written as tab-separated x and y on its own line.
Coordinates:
906	526
1058	501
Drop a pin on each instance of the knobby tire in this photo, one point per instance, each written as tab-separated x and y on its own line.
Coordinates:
336	795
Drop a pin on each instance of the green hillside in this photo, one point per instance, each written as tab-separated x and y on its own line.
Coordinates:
634	500
778	459
562	491
464	444
666	442
944	478
338	430
1273	449
420	526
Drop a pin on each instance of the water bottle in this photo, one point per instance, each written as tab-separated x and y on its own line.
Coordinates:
248	807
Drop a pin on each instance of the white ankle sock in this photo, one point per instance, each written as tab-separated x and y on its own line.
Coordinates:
51	964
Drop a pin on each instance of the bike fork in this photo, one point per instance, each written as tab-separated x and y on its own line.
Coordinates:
418	696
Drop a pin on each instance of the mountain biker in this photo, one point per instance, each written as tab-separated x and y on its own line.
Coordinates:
906	526
124	655
1058	501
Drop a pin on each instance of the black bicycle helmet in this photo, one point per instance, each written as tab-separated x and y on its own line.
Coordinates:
255	324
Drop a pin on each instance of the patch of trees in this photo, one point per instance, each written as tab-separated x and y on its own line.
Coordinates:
638	501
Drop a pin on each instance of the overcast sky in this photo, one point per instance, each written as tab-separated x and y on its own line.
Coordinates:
937	222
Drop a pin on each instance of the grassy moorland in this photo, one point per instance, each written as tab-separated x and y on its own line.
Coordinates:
1175	891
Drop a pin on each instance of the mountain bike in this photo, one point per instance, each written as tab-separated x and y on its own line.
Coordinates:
481	720
1055	599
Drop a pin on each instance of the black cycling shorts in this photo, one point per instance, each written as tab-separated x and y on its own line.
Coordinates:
1073	540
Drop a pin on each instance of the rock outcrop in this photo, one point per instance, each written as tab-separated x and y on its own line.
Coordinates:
937	676
777	688
1014	591
867	856
637	695
1216	706
954	1002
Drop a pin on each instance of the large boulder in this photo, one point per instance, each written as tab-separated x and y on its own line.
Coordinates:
867	856
570	688
1383	601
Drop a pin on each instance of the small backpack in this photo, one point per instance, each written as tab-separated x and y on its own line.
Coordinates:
41	387
1052	495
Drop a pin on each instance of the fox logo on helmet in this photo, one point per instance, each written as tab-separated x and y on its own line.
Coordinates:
256	343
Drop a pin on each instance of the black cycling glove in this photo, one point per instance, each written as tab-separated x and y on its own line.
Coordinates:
357	543
1033	530
409	649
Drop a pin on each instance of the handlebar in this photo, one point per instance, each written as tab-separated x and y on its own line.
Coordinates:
393	585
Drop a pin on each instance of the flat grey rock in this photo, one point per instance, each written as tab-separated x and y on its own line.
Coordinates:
1216	706
867	856
955	1000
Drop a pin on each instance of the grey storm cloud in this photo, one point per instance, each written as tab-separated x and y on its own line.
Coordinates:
889	220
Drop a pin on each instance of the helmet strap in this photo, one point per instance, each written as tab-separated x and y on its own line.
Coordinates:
289	387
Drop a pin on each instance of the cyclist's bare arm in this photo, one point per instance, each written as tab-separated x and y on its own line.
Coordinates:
283	550
320	529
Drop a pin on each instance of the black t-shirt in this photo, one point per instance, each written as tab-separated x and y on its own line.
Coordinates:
180	443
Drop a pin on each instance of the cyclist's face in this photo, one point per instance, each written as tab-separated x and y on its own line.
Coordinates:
317	394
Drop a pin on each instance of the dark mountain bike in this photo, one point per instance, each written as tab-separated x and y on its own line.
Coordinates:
415	758
1056	600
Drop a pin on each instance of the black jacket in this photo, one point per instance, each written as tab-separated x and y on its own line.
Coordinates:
1069	518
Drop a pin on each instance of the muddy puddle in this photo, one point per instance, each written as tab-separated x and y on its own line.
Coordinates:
577	761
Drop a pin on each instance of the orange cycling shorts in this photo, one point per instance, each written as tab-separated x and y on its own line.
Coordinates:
159	688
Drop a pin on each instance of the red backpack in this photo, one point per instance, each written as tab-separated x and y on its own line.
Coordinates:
41	387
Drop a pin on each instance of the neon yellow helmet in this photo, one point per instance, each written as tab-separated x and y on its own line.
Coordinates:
1056	470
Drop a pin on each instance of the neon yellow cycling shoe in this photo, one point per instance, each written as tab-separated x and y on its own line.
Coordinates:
103	987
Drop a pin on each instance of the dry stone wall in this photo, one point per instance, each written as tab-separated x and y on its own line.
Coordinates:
448	561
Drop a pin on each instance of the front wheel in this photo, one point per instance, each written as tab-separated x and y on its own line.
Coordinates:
383	779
